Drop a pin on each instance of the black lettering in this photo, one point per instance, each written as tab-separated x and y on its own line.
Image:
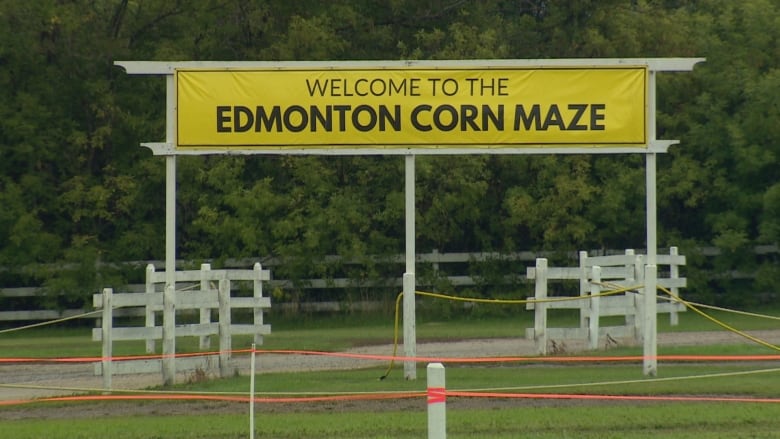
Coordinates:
325	119
268	122
242	124
371	118
357	87
596	116
574	124
468	113
342	111
393	119
553	118
416	123
489	115
317	86
223	118
290	120
453	117
534	118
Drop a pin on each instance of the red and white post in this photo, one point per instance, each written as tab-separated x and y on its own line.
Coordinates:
437	402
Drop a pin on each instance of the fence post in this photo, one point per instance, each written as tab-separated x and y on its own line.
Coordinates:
437	402
595	303
674	274
149	309
205	313
630	320
639	270
584	286
540	306
258	293
107	328
650	360
410	327
224	326
169	335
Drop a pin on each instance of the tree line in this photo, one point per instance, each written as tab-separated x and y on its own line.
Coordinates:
78	191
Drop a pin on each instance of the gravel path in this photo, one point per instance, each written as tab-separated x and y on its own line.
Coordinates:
26	381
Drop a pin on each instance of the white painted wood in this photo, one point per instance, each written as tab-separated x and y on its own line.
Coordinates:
409	282
650	345
107	326
258	313
410	329
169	295
540	311
595	308
149	317
205	311
224	326
437	404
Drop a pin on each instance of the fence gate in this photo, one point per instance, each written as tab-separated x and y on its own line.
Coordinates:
202	293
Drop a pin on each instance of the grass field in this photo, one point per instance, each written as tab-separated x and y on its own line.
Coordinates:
467	417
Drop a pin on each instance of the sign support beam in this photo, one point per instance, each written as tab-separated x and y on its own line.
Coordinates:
409	283
169	295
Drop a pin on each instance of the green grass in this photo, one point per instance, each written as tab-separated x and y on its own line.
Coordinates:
631	420
643	421
621	379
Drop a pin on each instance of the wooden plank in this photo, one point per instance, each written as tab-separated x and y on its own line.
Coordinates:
610	261
250	302
206	363
250	329
127	334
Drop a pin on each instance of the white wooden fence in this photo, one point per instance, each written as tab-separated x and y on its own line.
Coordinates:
593	273
198	291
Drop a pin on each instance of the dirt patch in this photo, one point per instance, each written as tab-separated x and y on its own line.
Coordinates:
24	381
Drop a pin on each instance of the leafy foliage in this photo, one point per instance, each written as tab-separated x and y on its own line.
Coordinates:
75	188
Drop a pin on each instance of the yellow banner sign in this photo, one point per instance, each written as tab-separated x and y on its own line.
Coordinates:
414	108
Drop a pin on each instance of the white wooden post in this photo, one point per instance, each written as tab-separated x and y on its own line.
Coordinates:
409	283
258	292
437	402
540	307
252	392
674	273
205	313
584	286
149	309
639	269
169	335
224	326
107	327
595	303
169	294
649	358
410	337
630	320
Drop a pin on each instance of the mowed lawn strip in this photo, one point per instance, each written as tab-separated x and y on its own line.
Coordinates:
619	421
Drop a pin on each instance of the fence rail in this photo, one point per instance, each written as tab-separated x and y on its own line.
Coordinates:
436	259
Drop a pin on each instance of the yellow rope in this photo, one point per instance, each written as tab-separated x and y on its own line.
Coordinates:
722	324
50	322
492	301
